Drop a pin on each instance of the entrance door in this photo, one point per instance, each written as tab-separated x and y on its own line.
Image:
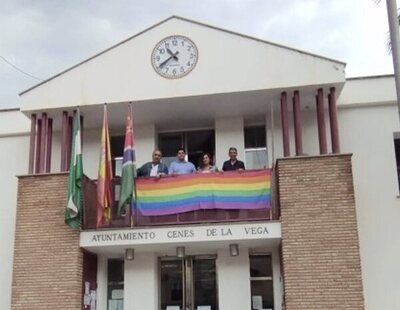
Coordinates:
188	284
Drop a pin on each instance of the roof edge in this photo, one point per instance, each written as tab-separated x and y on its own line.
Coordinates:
10	109
187	20
366	77
258	39
94	56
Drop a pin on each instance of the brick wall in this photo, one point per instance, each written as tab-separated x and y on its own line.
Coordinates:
47	259
320	248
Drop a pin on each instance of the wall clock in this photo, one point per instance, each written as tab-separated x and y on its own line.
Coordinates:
174	56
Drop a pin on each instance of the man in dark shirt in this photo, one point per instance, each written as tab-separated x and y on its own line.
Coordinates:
233	163
154	168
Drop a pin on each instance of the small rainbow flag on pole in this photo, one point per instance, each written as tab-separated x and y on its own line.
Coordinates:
184	193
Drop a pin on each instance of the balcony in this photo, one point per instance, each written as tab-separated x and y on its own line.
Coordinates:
206	204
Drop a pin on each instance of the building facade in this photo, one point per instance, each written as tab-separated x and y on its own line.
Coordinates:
326	239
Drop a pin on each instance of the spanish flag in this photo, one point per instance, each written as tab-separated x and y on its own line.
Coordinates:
104	197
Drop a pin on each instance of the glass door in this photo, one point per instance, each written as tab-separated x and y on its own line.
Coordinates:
172	284
188	284
204	284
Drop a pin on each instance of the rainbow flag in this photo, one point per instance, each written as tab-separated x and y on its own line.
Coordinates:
104	197
184	193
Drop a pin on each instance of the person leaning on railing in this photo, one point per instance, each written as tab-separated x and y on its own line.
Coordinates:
206	165
154	168
233	163
180	165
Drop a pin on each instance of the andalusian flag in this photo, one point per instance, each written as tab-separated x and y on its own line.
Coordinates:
73	210
126	194
104	197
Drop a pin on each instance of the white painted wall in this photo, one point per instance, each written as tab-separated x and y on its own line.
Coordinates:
309	133
14	146
233	274
228	132
145	143
367	132
141	282
56	152
91	152
368	90
10	167
13	122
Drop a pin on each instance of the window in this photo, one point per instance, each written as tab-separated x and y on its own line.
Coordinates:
169	144
115	287
195	143
262	295
255	147
397	152
117	152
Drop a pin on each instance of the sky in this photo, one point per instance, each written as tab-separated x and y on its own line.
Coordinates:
44	37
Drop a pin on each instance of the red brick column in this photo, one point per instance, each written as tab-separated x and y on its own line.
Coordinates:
48	262
320	248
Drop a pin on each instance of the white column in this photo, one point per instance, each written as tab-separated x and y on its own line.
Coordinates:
277	279
228	132
141	282
102	269
234	280
274	143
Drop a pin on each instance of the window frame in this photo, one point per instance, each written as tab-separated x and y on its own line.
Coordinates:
263	278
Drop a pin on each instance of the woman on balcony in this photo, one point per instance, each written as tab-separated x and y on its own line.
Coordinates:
206	165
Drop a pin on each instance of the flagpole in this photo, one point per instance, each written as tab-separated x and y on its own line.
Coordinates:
133	204
395	43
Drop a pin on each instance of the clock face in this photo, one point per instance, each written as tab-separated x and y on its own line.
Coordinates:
174	57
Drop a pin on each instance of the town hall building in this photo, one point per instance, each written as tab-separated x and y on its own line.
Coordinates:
316	223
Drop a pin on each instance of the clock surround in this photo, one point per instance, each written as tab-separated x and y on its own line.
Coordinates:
174	56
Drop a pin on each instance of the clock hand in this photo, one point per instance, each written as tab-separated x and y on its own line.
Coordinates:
168	59
165	62
169	51
173	54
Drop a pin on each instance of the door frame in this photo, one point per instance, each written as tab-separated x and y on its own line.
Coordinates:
187	278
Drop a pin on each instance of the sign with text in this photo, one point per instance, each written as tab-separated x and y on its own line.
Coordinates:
181	234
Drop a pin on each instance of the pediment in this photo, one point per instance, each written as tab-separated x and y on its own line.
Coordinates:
227	62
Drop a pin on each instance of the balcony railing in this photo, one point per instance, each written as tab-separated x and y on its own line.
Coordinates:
255	209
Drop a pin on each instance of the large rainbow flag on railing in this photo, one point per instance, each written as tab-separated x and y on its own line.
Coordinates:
184	193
